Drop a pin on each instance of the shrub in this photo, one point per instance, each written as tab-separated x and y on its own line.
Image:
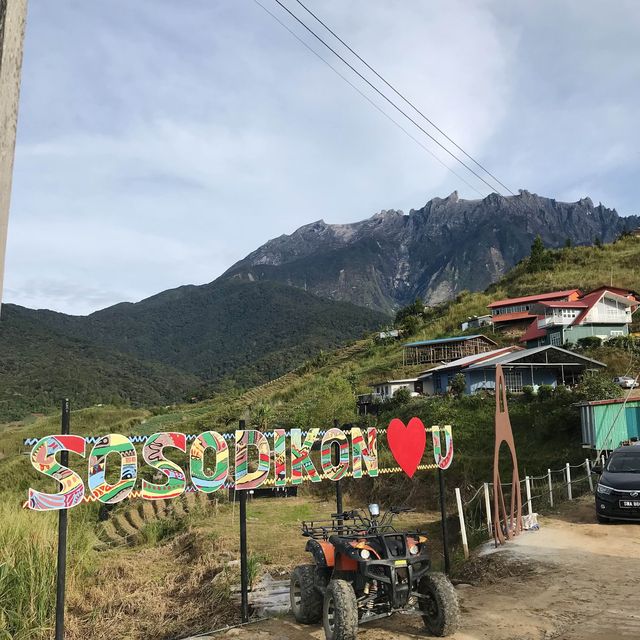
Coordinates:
528	392
545	392
590	342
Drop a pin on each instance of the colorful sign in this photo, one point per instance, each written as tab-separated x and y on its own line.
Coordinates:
310	456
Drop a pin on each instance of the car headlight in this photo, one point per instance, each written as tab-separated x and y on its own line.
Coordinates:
365	554
604	490
413	549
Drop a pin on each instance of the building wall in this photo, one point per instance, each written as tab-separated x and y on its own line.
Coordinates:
559	335
481	379
12	20
601	330
605	426
484	379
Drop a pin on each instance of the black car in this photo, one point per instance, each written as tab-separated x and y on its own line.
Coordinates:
618	490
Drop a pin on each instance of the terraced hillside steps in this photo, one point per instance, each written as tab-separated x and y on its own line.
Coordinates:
124	525
278	384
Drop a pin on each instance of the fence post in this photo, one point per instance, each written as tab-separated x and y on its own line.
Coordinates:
588	467
569	494
527	483
487	505
463	531
550	487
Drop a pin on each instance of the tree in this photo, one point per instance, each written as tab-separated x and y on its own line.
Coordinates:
597	242
568	243
458	384
597	386
415	309
539	258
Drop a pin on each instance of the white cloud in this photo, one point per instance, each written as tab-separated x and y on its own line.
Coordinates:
157	146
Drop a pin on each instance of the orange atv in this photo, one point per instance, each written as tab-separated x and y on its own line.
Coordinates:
363	570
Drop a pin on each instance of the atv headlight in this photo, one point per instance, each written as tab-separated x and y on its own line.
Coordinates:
365	554
413	550
604	490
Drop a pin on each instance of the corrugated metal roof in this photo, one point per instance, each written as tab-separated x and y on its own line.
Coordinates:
468	360
525	353
533	332
565	304
508	317
419	343
541	296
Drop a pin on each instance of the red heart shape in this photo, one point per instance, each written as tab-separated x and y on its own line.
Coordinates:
407	443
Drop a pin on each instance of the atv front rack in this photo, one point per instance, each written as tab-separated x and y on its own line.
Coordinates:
322	529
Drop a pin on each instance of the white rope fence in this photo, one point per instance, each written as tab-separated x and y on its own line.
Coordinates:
539	492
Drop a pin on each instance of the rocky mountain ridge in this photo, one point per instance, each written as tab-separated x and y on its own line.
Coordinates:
449	245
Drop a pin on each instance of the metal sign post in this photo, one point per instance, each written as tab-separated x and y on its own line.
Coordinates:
62	536
336	459
244	560
443	516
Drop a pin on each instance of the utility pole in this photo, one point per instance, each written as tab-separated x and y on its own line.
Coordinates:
13	14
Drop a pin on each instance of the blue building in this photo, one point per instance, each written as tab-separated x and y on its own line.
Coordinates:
548	365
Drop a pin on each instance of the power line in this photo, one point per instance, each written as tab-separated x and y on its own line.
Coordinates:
368	99
400	95
393	104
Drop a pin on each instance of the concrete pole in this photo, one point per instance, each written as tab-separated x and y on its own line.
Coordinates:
13	14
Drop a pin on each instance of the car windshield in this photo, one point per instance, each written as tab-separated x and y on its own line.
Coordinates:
624	462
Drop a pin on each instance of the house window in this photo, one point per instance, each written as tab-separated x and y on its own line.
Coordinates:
513	380
555	339
617	334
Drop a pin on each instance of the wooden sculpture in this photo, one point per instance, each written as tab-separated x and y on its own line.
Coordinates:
505	525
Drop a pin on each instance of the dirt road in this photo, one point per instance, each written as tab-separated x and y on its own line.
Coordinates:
572	580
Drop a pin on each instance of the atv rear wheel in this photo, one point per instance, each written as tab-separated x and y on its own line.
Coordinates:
306	600
440	609
340	611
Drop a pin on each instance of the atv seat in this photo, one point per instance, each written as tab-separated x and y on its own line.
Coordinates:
341	544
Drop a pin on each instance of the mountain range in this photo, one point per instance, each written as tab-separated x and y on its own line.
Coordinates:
318	288
449	245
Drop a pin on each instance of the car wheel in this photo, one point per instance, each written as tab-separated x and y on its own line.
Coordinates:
306	600
340	611
439	605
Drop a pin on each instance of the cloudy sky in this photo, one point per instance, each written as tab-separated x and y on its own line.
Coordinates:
159	142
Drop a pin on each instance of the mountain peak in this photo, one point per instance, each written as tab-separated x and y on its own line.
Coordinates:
449	245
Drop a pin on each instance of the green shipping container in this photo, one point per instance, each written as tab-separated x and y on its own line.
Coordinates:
607	423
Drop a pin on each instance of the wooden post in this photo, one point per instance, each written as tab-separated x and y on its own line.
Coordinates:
550	487
569	493
13	15
463	531
527	483
487	506
588	467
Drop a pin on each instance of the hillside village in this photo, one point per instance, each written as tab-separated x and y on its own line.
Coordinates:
540	342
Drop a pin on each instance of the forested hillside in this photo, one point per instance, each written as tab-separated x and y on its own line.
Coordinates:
179	343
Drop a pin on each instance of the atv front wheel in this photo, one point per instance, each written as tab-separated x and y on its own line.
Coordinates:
439	606
306	600
340	611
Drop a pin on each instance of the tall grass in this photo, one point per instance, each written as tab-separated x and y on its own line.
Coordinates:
27	573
